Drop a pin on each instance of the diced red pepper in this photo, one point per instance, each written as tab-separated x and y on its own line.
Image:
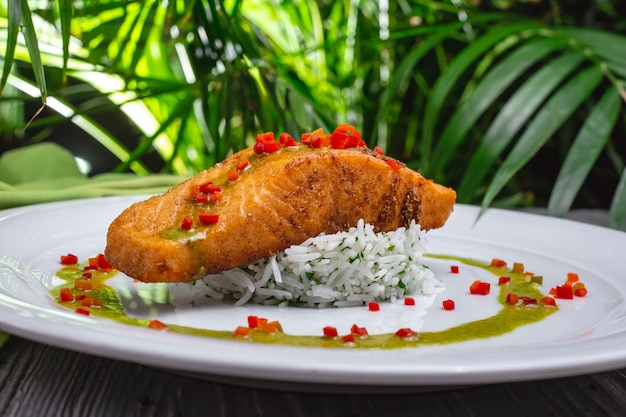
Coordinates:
405	332
338	140
259	148
454	269
448	304
66	295
498	263
200	188
564	292
271	147
209	188
480	287
484	288
241	331
253	322
504	280
157	325
270	326
349	338
186	223
232	175
87	302
395	165
202	198
102	263
265	143
570	288
93	263
355	142
345	136
347	129
580	292
69	259
286	139
266	327
325	140
409	301
243	164
87	275
306	138
378	150
548	301
80	297
330	331
82	311
512	298
83	285
208	218
373	306
358	331
215	197
319	139
205	191
528	300
518	267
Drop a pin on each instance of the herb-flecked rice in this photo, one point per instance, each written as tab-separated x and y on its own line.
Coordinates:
337	270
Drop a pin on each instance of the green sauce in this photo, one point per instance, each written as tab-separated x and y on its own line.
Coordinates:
506	320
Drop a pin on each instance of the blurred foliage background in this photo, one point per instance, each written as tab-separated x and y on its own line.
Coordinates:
511	102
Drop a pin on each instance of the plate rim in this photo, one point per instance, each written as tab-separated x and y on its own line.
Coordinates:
456	374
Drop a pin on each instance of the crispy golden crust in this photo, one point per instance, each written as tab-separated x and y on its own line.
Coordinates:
280	200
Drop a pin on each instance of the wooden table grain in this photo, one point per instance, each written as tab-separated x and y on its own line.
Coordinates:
40	380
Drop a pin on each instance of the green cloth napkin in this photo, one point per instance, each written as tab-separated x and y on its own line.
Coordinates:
46	172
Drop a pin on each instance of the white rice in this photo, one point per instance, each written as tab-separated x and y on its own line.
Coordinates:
341	270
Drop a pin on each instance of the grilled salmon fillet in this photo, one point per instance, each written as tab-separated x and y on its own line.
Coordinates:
254	205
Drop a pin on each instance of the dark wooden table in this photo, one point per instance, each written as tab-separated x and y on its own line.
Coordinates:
40	380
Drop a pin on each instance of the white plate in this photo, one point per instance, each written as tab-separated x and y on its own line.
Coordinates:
585	335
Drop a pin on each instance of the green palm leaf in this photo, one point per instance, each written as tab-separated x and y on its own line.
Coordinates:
617	212
584	152
213	73
608	47
66	8
15	15
491	86
556	111
181	110
30	37
448	79
511	118
141	31
20	13
407	68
